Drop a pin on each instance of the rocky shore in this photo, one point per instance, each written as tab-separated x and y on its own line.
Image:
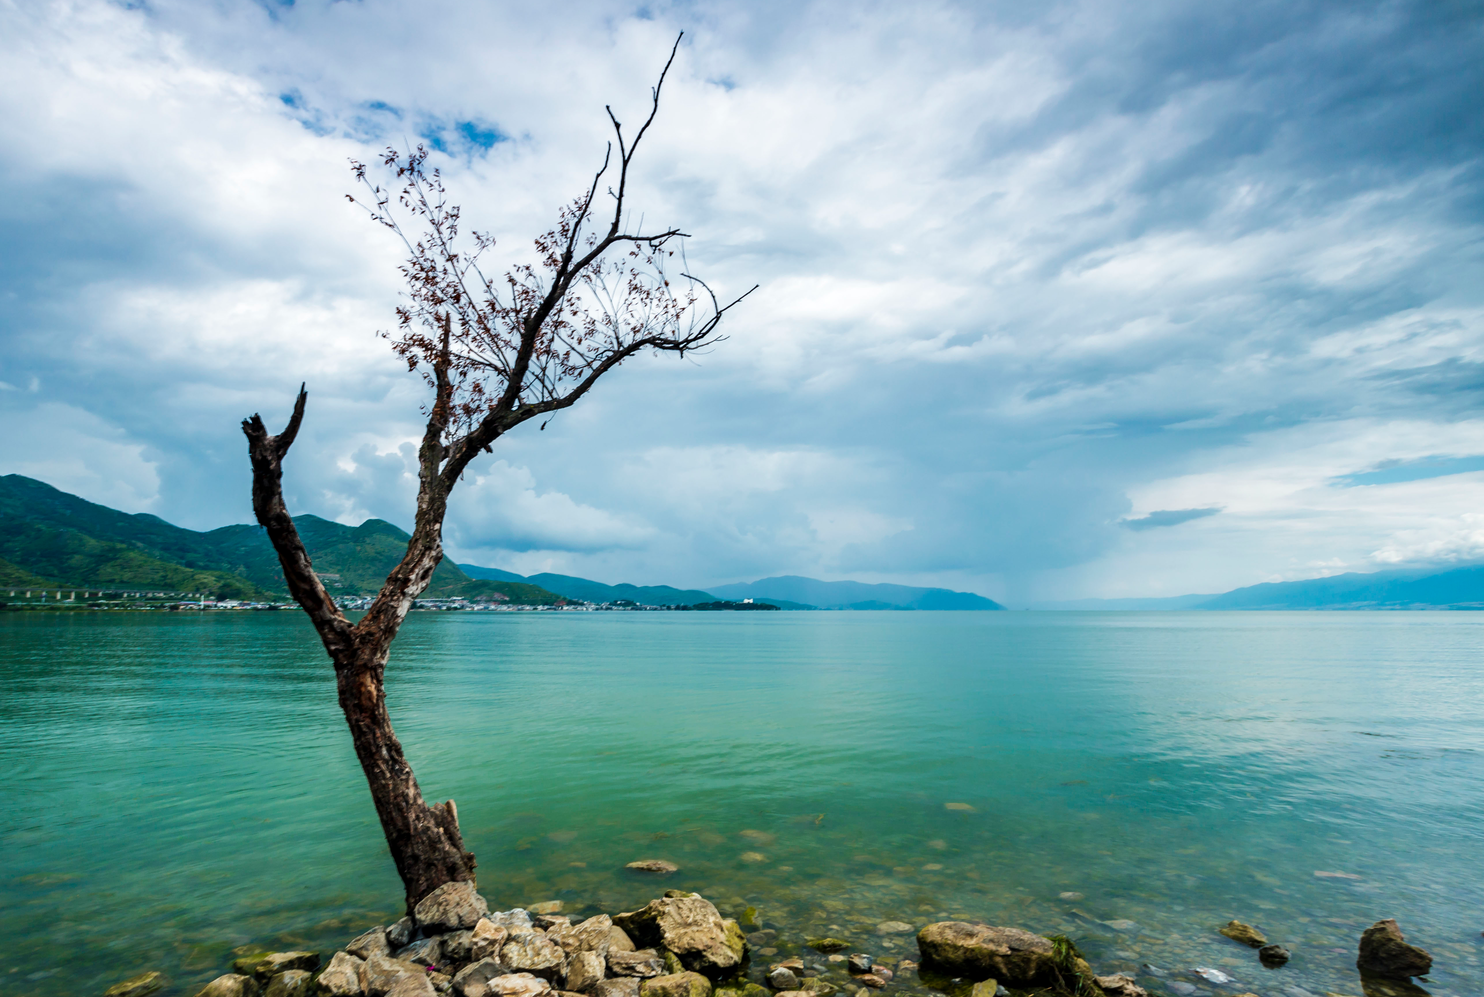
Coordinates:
679	945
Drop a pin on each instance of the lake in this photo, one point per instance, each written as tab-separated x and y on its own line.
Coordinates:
179	785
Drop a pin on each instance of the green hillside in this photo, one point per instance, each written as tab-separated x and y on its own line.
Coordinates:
50	538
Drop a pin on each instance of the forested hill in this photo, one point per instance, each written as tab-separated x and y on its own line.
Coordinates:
49	537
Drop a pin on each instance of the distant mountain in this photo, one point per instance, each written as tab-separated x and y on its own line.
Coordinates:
591	591
49	537
852	595
1125	605
1460	588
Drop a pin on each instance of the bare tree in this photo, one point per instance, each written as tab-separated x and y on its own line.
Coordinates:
496	352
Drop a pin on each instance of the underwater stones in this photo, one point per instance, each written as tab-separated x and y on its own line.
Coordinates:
373	941
1384	952
676	985
827	945
893	928
451	907
1273	956
233	985
871	980
693	929
137	986
1071	895
623	986
1010	955
1211	975
644	963
263	966
342	977
584	971
859	962
816	985
657	866
985	988
906	966
533	953
783	978
1244	933
546	907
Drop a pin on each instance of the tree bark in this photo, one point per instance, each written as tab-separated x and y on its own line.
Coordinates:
424	840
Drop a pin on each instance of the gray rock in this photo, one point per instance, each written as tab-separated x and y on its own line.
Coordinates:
676	985
424	951
451	907
231	985
400	934
622	986
1211	975
289	983
533	953
372	942
584	971
692	928
618	939
379	973
485	940
342	977
412	985
1181	987
859	962
1014	957
1273	955
783	978
1120	985
640	962
593	935
456	946
473	980
1384	952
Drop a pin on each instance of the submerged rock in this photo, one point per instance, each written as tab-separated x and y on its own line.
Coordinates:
1244	933
451	907
693	929
893	928
676	985
985	988
1011	955
1384	952
234	985
827	945
657	866
783	978
1211	975
137	986
859	962
1273	955
342	977
546	907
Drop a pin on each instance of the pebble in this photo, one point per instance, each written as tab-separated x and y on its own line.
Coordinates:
1211	975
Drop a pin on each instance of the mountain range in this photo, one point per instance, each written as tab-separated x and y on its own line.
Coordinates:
51	539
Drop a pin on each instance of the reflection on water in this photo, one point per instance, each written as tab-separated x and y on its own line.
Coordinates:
179	786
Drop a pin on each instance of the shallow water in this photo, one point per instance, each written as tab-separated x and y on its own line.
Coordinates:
178	786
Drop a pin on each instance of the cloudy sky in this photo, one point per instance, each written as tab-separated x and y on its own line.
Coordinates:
1057	299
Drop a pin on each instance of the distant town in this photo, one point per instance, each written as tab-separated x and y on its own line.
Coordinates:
494	602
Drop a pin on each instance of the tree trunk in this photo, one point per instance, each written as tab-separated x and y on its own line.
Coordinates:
424	840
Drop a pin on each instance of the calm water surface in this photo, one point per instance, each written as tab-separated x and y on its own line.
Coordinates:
178	786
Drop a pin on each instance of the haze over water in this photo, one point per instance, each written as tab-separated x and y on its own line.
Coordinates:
180	785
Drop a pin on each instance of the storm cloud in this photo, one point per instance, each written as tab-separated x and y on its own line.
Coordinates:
1030	275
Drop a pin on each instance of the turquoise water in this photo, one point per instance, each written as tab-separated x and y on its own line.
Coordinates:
180	785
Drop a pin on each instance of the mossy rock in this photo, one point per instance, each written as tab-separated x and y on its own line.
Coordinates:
828	945
750	919
817	985
247	965
137	986
672	964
